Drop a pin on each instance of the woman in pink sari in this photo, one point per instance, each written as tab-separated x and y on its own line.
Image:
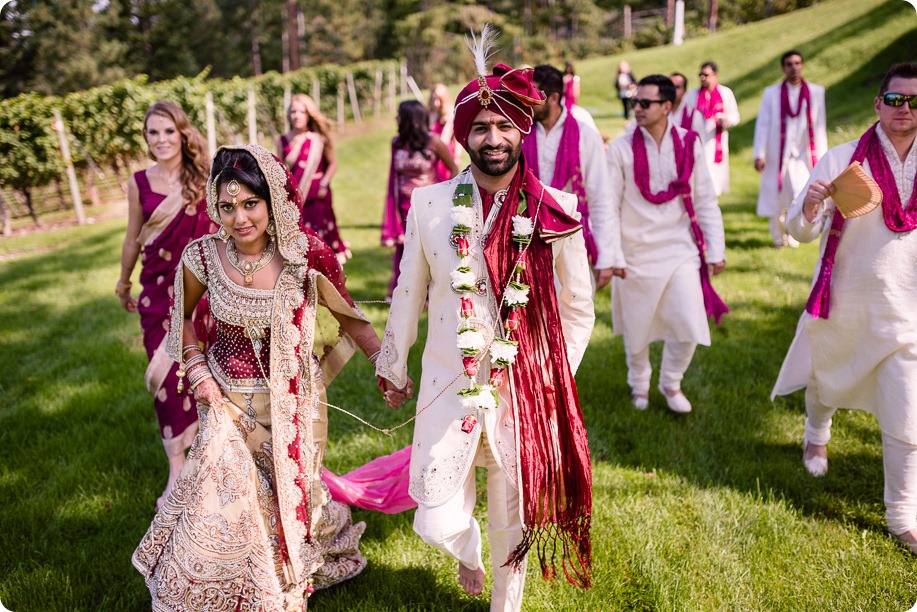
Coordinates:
166	210
309	154
416	154
441	110
571	86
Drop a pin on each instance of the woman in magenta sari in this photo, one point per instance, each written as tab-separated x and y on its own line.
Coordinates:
166	210
571	86
309	154
441	110
415	155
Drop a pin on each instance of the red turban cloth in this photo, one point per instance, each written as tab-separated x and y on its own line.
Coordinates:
507	92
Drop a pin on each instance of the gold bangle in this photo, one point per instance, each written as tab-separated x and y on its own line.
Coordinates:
123	288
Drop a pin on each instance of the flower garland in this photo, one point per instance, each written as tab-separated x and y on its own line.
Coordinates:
470	341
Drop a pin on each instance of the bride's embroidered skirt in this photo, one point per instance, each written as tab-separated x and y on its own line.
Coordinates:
217	543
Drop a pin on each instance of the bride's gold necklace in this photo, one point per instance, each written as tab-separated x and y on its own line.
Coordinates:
248	268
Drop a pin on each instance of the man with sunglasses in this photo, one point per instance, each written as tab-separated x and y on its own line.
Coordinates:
856	342
717	104
663	207
790	136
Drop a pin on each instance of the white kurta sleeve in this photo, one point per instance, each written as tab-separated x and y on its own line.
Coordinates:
730	108
707	208
820	119
608	232
574	297
598	191
407	305
763	125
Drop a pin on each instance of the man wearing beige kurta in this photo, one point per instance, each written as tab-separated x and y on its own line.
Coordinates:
721	122
656	292
785	166
863	354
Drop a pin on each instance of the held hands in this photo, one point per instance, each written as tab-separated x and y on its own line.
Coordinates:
123	291
393	396
128	302
816	194
715	268
603	276
209	392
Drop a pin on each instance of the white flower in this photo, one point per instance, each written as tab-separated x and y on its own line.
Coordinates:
462	279
486	399
503	351
462	215
516	297
522	226
469	402
471	340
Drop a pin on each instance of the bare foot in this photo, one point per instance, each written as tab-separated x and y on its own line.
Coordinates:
814	450
472	580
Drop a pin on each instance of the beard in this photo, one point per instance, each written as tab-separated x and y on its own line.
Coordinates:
493	167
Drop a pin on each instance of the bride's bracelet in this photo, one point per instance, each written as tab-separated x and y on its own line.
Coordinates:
375	357
198	375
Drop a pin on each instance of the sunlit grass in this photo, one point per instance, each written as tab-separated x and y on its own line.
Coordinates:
712	511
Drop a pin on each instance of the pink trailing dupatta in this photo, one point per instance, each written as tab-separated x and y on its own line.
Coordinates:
897	218
710	104
681	186
785	113
556	476
567	171
381	484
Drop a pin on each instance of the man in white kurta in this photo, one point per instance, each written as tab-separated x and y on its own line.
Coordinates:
782	178
682	114
863	355
725	118
449	440
550	120
656	292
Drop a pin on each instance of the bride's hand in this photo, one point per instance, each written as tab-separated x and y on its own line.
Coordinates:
209	392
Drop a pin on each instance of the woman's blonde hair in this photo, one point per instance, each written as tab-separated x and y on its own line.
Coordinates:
195	163
446	105
317	121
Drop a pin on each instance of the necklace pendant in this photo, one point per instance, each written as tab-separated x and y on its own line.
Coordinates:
249	280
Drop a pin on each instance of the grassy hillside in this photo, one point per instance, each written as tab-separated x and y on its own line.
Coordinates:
709	512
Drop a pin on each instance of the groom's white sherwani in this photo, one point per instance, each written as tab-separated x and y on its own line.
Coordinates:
442	453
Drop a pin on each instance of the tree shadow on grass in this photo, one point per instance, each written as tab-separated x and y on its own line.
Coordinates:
733	438
849	100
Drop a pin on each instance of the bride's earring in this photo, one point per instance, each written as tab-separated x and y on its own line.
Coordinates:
223	234
271	229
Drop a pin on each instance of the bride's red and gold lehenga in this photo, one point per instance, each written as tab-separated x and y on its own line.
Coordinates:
249	525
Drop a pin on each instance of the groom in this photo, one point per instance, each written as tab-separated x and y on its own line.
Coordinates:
502	261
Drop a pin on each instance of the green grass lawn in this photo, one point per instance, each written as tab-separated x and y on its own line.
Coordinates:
712	511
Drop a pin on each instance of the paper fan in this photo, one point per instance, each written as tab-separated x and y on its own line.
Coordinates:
856	194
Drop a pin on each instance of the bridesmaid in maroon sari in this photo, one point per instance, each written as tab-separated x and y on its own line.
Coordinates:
441	109
166	210
308	153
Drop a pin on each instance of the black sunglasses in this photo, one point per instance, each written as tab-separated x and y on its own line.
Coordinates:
898	100
644	103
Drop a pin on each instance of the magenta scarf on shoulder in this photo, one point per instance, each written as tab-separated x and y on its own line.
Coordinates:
567	169
785	113
710	104
897	218
681	186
